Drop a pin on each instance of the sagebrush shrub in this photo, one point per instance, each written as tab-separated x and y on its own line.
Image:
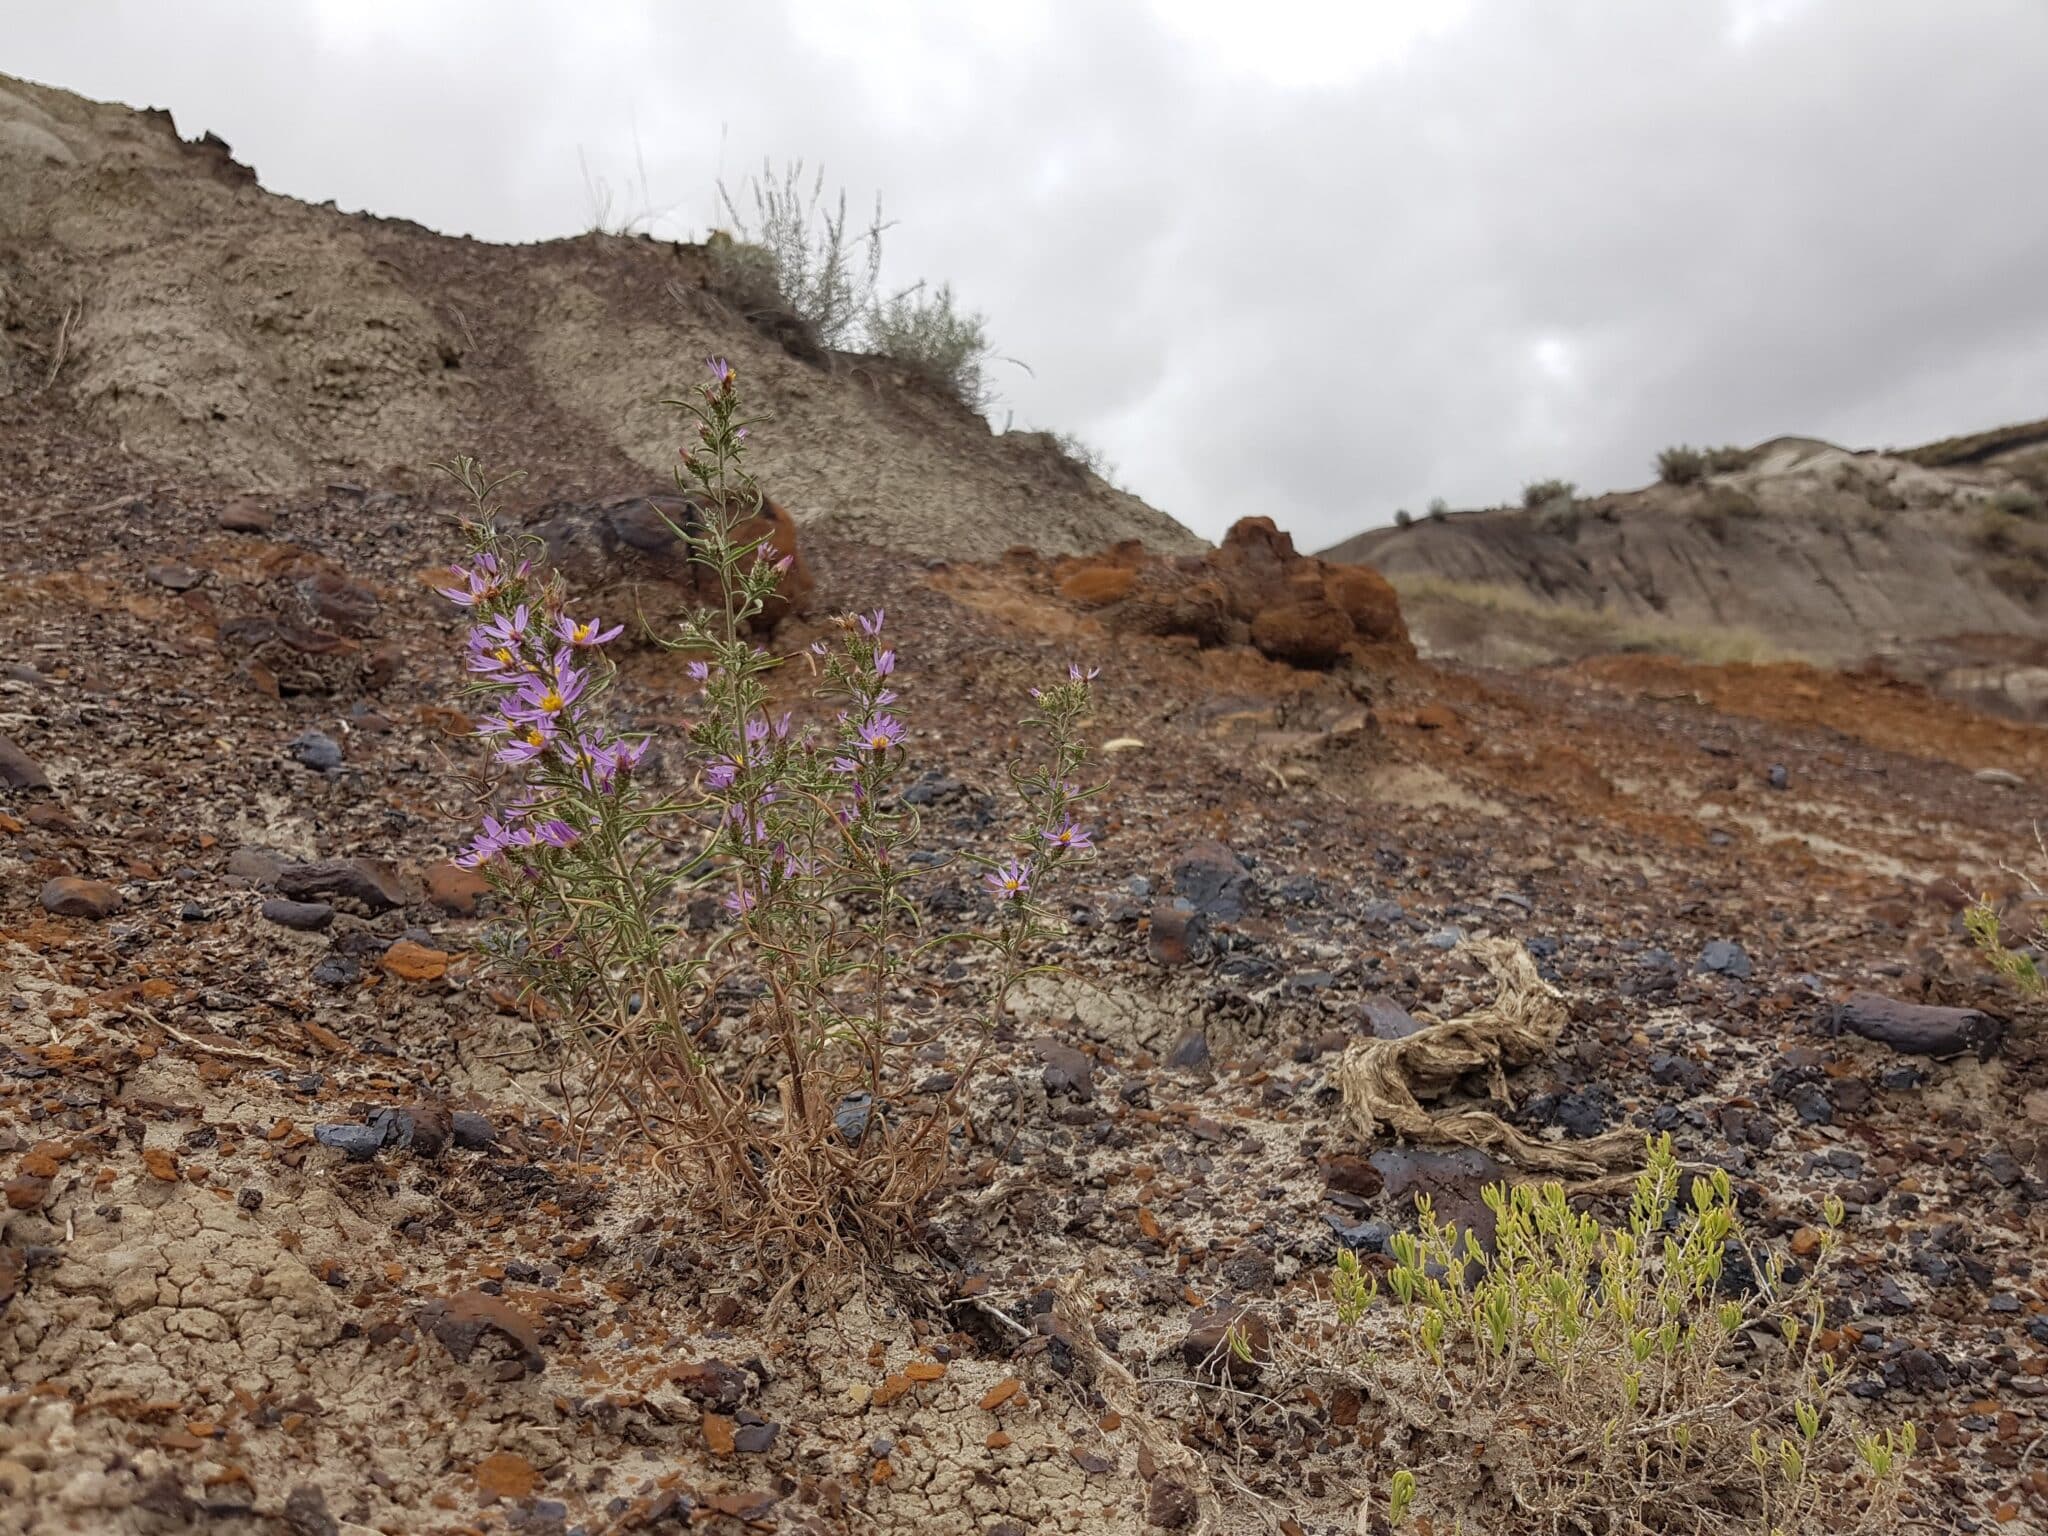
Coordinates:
1545	493
1726	459
1680	465
946	346
795	252
766	1064
2016	501
1659	1375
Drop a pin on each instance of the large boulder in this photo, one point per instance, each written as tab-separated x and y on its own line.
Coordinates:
626	556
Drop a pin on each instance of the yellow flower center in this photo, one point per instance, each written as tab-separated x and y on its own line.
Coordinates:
551	701
535	738
504	654
583	631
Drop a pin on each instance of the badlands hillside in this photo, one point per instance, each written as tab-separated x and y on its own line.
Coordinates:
307	1229
1932	560
185	323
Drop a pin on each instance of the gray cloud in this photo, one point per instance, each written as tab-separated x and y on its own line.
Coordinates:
1313	269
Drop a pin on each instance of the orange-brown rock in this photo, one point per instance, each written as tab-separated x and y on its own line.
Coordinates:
628	555
1254	589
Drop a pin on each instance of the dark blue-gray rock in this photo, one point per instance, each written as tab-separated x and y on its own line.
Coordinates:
1359	1236
1213	880
306	1512
1305	983
1138	886
851	1117
1387	1019
19	771
472	1132
1382	914
1918	1029
1445	938
1725	957
1777	777
1067	1071
394	1127
316	750
1190	1051
302	916
337	971
359	1142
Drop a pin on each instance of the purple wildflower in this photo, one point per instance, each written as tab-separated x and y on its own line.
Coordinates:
739	902
721	370
491	841
699	670
1076	675
881	733
871	623
720	772
1070	837
544	698
1010	880
885	663
530	739
589	632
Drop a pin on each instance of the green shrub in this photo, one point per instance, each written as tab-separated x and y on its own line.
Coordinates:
1621	1378
1403	518
795	253
1726	460
1681	465
2017	501
947	347
1987	930
1543	493
1439	509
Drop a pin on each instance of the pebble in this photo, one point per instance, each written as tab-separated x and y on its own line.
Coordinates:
337	971
1067	1070
1179	934
375	883
1445	938
359	1142
1213	880
75	896
472	1131
301	916
316	750
18	770
1387	1019
1192	1050
1778	777
1725	957
1205	1349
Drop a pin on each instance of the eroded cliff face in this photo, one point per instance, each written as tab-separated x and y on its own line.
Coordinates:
1812	549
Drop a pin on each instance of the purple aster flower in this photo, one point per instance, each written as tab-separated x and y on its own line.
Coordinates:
1076	675
721	370
556	833
530	740
544	697
739	902
1069	837
589	632
845	765
881	733
699	670
871	623
1009	880
819	647
885	663
720	772
491	841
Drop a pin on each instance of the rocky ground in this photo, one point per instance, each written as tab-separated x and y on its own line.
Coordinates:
295	1239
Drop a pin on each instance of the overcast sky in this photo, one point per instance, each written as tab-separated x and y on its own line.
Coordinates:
1316	260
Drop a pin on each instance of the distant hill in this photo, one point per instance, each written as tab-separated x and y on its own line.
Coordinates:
1798	548
159	308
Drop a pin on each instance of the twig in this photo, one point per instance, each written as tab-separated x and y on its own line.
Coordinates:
72	311
233	1051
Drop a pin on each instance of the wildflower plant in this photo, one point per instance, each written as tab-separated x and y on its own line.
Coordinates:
1658	1375
1989	933
764	1065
